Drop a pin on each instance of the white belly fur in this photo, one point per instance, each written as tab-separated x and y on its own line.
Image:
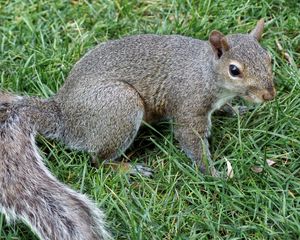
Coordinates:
223	98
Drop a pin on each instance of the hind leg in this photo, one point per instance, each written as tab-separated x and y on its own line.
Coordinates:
120	114
121	127
104	119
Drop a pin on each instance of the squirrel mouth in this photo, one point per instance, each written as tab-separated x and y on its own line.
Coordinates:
260	96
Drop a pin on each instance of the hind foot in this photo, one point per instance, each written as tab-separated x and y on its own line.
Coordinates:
130	168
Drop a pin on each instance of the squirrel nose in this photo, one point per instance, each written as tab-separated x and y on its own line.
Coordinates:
269	94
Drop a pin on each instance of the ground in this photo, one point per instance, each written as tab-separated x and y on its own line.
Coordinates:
40	40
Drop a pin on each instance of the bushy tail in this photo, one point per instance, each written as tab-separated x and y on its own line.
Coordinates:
28	191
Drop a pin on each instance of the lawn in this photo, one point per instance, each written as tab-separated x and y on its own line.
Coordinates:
40	40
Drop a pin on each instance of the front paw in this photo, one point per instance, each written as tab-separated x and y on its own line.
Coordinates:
217	174
212	171
222	175
232	111
241	110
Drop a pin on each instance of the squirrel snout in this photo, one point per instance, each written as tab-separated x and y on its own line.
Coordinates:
269	94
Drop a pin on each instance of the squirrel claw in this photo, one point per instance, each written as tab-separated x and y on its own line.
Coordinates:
142	170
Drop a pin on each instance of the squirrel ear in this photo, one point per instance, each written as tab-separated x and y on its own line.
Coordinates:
258	30
218	42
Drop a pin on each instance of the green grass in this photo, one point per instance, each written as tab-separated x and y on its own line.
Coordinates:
41	40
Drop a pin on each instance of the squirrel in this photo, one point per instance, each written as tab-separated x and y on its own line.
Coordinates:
119	84
107	96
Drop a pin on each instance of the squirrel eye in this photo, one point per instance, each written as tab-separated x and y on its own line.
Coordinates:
234	70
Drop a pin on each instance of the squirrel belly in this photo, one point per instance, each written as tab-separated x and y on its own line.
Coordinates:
29	192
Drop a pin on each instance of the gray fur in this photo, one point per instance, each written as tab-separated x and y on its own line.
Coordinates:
29	192
172	76
118	84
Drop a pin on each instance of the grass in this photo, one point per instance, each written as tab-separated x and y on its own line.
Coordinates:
41	40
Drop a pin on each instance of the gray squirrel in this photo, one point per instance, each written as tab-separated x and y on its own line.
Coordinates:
110	92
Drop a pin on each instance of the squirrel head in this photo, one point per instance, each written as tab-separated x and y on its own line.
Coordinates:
242	65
